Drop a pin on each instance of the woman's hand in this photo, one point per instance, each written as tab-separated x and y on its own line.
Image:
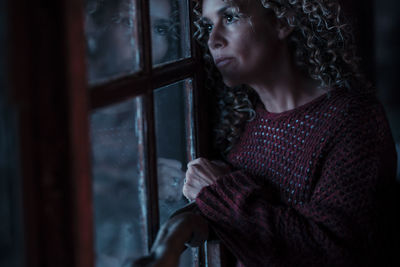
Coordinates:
171	239
200	173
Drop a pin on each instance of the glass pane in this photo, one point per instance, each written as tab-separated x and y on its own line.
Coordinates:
117	156
172	144
169	30
11	244
111	28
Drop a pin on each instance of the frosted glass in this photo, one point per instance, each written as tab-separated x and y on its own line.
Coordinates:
172	144
119	223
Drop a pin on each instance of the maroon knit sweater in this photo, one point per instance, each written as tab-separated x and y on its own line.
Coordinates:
308	187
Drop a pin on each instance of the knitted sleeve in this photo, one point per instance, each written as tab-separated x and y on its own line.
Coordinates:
337	226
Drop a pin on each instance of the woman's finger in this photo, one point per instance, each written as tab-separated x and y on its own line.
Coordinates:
189	191
200	172
198	161
221	164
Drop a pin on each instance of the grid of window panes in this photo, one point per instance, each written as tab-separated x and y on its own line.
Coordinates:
118	130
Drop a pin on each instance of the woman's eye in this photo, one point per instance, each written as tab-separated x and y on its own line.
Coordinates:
122	20
229	18
209	28
161	29
127	22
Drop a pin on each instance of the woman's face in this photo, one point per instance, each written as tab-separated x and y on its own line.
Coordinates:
243	46
160	11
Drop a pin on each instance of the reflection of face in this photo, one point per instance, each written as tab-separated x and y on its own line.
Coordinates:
111	33
160	23
242	49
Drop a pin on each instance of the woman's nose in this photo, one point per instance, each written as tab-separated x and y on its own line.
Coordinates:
216	39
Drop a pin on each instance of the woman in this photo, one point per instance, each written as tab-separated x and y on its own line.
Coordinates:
308	147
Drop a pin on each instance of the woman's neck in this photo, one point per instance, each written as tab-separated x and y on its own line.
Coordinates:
282	97
287	89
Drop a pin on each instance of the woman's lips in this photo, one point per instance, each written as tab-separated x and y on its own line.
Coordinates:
223	61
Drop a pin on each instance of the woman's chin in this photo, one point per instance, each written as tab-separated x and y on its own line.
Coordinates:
231	82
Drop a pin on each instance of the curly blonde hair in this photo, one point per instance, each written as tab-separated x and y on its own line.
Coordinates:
322	46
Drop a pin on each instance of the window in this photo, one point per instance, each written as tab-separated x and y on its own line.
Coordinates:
142	76
69	101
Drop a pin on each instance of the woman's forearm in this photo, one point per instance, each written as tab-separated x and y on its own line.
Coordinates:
184	229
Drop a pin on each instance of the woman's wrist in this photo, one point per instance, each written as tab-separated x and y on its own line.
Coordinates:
199	231
184	229
190	229
197	225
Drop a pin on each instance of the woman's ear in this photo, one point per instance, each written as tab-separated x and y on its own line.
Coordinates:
283	29
284	26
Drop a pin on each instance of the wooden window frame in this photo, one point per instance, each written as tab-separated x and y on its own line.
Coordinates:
143	84
50	90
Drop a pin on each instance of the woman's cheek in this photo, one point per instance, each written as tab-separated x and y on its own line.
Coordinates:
159	48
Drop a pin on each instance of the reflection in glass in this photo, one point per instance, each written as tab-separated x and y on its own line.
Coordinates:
111	38
116	182
112	29
171	143
169	30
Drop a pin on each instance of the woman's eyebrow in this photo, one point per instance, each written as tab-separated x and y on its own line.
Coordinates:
220	12
204	20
